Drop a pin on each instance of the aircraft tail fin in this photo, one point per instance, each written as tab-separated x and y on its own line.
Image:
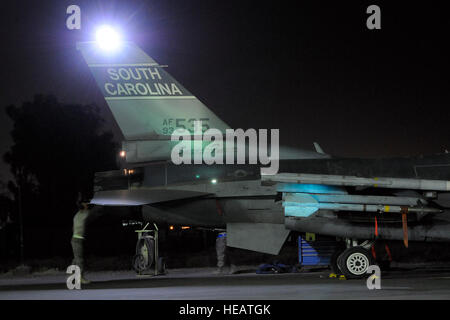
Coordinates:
146	101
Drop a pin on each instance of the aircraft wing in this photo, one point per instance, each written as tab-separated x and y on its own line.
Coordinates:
305	194
354	181
138	197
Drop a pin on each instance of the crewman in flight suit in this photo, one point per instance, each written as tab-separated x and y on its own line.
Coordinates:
78	238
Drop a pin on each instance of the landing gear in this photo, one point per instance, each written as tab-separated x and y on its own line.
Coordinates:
354	261
334	260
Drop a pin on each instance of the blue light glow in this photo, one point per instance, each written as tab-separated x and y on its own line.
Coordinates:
309	188
293	211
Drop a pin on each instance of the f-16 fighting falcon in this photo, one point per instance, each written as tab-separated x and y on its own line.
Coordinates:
356	200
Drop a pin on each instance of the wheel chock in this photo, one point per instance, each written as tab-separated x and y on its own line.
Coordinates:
332	275
342	277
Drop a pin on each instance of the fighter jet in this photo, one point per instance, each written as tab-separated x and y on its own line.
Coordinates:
356	200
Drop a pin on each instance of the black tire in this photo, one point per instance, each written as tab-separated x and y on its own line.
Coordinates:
354	262
334	261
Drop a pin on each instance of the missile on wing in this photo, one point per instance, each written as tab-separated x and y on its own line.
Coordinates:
362	207
355	199
353	181
304	205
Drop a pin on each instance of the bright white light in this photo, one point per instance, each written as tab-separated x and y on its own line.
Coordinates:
214	181
107	38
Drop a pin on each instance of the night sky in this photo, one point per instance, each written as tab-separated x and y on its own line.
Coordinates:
310	68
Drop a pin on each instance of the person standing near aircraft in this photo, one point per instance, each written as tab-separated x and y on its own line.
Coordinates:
78	237
221	246
222	252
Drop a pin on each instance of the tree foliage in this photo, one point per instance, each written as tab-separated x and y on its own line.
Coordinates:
56	150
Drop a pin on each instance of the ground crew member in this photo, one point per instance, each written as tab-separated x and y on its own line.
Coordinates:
221	250
78	238
221	246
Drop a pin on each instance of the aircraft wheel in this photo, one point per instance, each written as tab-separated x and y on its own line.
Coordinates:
354	262
334	265
334	261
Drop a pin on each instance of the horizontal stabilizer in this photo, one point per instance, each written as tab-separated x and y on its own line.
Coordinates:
260	237
139	197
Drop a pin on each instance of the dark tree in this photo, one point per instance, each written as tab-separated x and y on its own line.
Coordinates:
56	150
5	209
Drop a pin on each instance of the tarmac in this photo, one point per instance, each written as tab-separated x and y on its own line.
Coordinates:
408	282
